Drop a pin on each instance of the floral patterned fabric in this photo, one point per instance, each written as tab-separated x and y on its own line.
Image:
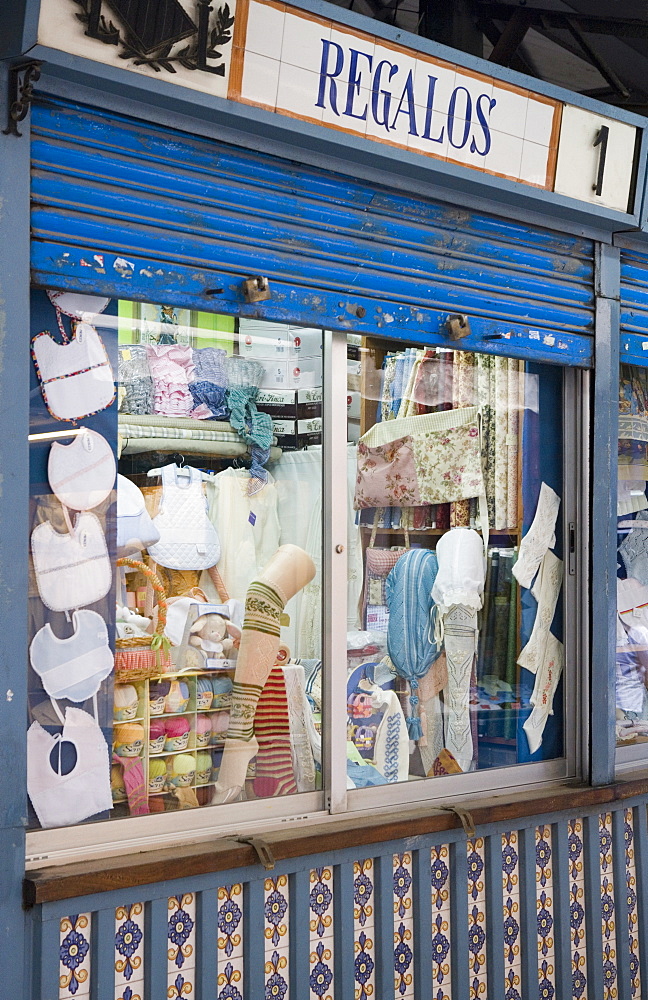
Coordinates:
436	460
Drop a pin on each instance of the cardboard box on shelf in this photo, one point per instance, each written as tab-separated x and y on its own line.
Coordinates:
303	373
291	404
293	435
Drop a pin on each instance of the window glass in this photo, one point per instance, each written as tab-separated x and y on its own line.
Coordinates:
175	608
632	571
456	655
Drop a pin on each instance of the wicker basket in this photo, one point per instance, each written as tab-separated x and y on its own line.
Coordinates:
141	657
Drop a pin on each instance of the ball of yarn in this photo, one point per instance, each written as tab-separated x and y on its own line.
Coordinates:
219	725
125	700
128	739
181	769
157	695
117	787
157	775
204	693
222	688
157	735
203	730
176	733
177	700
203	768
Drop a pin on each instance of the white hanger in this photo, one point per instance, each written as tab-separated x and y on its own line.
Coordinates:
182	471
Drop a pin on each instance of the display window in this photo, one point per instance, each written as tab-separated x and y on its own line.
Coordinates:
244	593
632	562
457	662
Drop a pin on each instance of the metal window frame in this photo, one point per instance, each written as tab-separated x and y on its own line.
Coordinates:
107	838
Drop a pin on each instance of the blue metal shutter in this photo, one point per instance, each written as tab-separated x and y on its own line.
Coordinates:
634	307
127	209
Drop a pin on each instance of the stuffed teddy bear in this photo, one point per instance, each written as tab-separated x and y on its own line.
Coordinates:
213	635
130	624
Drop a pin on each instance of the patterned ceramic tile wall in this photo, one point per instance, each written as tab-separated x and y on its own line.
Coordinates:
403	927
129	951
441	956
363	923
276	937
631	898
321	934
477	919
181	946
608	916
230	942
74	956
511	911
577	909
544	909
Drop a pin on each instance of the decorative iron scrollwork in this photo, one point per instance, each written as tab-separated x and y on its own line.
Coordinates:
22	78
149	32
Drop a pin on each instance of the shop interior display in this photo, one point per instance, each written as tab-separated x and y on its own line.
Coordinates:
176	561
632	564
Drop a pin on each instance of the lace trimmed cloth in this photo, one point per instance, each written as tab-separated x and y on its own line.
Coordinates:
209	388
172	369
634	549
540	537
135	381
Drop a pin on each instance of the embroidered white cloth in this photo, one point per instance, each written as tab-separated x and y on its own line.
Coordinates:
73	668
76	378
540	537
64	799
460	637
462	570
82	473
391	748
188	539
135	528
72	569
546	590
547	677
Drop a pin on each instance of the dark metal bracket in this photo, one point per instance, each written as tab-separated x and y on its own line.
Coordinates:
22	78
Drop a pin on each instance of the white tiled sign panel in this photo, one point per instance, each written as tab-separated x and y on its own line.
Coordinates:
294	63
300	65
579	159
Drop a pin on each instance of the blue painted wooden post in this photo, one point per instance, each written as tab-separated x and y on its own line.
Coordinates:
494	915
528	914
343	928
155	948
641	864
253	940
423	931
592	870
47	966
102	963
299	884
14	513
459	950
384	925
207	944
561	908
621	906
603	514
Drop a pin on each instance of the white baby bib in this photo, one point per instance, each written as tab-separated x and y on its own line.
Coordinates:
64	799
72	569
76	378
73	668
82	474
188	539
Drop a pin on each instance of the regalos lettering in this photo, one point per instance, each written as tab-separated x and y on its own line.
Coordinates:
355	85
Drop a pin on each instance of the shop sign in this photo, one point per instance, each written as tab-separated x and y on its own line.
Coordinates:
294	63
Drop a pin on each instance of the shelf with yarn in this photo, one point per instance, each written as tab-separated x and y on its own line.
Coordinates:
188	695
